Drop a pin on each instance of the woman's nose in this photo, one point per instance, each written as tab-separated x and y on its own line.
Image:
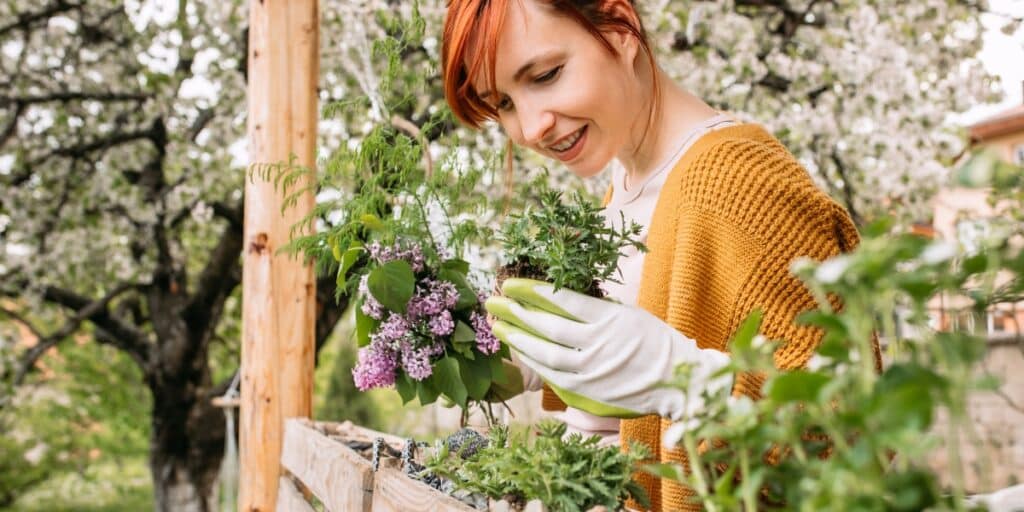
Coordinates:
535	123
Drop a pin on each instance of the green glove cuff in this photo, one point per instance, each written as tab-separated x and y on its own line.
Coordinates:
524	291
592	406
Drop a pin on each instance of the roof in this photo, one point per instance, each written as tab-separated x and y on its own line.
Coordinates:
1008	121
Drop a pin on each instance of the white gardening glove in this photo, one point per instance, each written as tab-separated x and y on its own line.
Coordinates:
603	357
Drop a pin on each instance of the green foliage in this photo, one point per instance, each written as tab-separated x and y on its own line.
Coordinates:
568	242
84	409
569	473
877	428
106	485
385	189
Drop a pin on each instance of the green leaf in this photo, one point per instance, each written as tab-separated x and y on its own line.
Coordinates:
498	373
456	265
335	249
904	397
834	346
667	471
406	387
920	287
464	339
449	381
725	482
364	326
827	321
975	264
349	258
392	284
372	222
878	227
747	330
796	386
463	333
476	375
427	391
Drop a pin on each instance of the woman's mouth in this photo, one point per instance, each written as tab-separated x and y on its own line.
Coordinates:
571	146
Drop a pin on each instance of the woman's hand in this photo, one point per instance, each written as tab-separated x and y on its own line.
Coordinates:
600	356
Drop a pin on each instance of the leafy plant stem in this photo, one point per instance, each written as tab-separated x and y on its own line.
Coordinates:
749	501
702	486
956	464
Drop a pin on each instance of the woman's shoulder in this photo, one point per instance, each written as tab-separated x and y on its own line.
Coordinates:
746	178
741	160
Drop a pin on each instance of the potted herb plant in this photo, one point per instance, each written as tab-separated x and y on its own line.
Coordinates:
567	243
551	471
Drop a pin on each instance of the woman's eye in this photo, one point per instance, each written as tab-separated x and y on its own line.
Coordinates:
504	104
550	75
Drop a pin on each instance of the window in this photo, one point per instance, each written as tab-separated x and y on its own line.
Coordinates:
1018	154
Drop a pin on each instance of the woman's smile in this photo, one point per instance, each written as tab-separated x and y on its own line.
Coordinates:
571	146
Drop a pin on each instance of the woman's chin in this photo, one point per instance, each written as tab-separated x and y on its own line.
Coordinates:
587	169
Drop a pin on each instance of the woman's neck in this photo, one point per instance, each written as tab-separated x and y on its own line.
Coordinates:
677	112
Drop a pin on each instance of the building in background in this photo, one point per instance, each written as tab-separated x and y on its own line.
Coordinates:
962	212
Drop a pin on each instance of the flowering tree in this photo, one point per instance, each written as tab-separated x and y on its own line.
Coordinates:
121	167
858	91
121	153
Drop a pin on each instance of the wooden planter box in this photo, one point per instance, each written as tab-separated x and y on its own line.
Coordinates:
318	464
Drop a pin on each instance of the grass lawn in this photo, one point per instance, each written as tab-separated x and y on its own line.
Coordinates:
104	486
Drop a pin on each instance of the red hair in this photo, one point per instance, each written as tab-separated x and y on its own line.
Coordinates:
487	17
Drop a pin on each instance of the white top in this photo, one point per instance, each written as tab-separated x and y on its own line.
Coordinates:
631	203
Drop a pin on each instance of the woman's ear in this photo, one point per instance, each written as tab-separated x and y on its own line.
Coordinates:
625	42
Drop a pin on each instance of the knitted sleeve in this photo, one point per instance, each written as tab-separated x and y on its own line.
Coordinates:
751	211
742	211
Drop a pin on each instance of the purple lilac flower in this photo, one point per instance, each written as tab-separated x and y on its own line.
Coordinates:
412	254
393	330
442	324
416	362
371	307
486	341
379	253
432	297
436	349
376	367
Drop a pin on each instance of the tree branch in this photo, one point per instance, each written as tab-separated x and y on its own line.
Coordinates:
135	341
95	311
23	321
25	20
220	276
83	150
19	109
68	96
847	188
232	214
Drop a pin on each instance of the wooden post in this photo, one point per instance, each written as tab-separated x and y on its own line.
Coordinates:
278	291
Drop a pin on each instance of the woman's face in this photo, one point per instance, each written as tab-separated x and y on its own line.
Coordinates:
560	92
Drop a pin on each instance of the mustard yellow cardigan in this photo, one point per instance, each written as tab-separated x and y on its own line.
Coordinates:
734	212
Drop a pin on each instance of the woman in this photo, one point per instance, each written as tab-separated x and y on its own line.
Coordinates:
726	209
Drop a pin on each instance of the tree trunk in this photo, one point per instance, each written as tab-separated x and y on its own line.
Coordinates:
186	449
188	431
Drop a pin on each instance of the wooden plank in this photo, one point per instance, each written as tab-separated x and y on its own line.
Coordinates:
290	498
393	491
351	431
341	478
297	284
278	291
